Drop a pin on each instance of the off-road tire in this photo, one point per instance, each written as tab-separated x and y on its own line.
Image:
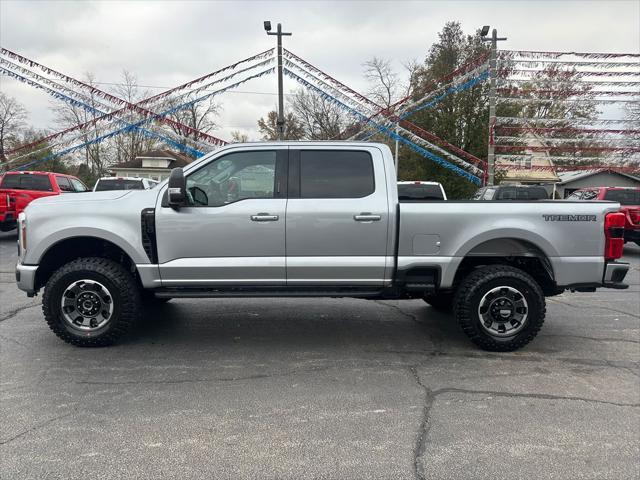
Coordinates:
120	283
470	293
442	302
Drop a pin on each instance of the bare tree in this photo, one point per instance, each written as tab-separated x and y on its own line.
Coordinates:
132	143
384	83
319	118
239	137
13	118
268	127
68	116
199	116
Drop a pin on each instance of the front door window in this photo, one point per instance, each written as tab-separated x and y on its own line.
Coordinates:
233	177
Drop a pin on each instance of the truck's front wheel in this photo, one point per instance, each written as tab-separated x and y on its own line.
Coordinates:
91	302
500	308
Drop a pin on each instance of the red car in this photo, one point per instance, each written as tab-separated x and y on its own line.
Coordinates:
18	189
629	199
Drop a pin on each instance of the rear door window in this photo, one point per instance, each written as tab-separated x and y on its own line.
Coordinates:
336	174
623	196
27	181
64	184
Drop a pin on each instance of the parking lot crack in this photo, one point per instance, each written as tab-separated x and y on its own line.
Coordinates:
538	396
595	339
410	316
36	427
425	424
12	313
207	380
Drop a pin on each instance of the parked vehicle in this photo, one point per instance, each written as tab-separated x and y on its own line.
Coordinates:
327	224
123	183
629	200
7	215
512	192
18	189
420	191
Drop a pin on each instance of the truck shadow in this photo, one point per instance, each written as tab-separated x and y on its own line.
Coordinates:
291	324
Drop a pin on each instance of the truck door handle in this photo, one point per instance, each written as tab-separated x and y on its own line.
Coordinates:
366	217
264	217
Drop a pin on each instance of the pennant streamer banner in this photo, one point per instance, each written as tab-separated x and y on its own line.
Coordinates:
37	81
572	158
577	131
569	74
542	54
543	148
82	105
558	121
569	93
385	130
146	120
122	111
432	88
551	63
568	168
592	83
260	56
351	103
343	96
267	54
458	88
419	105
602	101
559	141
93	100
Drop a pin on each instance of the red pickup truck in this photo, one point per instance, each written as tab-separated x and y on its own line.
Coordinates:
629	199
18	189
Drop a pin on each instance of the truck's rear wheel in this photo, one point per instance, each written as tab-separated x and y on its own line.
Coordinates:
500	308
91	302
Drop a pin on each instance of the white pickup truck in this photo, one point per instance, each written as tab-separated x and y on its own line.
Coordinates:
309	219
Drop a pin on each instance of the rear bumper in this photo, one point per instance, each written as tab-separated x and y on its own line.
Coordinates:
614	274
26	278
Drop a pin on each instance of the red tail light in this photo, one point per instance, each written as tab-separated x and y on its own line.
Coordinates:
614	235
634	216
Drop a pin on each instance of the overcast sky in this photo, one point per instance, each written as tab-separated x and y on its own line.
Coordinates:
165	43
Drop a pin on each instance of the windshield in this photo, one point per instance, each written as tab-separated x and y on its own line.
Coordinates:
624	196
118	184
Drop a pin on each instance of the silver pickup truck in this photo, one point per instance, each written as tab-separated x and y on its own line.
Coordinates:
309	219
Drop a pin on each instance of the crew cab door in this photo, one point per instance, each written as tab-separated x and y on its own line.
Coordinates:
232	230
337	217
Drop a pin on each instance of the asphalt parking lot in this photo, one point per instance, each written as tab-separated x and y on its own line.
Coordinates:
321	388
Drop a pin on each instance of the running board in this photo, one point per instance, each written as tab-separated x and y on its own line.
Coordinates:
265	292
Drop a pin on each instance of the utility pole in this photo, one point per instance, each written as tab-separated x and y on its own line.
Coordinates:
493	75
396	152
280	34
